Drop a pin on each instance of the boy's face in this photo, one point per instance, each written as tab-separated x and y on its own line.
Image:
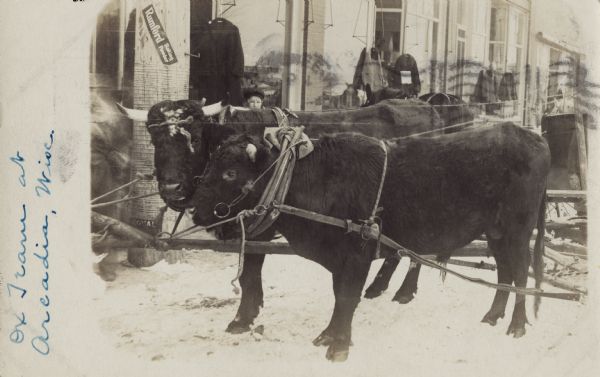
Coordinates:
254	102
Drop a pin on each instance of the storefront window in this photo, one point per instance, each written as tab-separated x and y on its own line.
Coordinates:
506	58
561	81
388	20
262	41
422	41
497	35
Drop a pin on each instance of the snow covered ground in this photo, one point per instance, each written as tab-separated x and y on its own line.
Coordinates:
176	315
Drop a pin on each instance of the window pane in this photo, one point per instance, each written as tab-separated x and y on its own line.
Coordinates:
497	54
461	12
388	4
387	34
498	25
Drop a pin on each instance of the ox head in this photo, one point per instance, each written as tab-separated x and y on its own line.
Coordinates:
180	153
226	187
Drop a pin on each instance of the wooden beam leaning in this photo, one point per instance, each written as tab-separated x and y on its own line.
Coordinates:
565	195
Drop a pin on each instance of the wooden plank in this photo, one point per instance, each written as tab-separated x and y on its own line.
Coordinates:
582	154
120	230
565	195
568	248
564	260
474	249
562	283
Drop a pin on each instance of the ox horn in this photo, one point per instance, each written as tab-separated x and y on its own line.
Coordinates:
133	114
217	107
214	109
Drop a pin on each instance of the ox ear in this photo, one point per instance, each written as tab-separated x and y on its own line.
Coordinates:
251	150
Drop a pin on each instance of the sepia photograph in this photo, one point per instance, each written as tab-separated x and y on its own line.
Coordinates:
299	187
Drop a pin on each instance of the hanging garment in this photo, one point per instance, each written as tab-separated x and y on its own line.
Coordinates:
405	75
369	71
217	68
485	90
508	89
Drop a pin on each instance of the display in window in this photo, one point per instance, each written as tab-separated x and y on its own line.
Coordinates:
486	90
217	69
369	71
405	76
508	88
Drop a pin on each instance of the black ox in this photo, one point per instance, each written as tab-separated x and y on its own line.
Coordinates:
181	154
439	194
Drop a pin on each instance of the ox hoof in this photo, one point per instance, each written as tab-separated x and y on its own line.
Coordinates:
375	289
323	340
492	318
235	327
337	353
372	293
403	298
516	331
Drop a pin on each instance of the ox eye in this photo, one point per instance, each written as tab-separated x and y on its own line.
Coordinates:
230	175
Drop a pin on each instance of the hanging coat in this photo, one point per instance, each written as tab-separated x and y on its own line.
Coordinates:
507	90
218	67
405	75
486	90
369	71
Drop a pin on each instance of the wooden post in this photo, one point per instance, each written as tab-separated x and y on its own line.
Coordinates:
161	71
582	153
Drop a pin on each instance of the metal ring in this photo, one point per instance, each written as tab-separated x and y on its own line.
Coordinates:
260	209
219	206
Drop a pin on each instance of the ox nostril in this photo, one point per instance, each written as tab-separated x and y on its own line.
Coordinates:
197	180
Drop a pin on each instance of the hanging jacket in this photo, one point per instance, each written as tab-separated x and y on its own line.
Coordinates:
404	65
485	88
508	89
218	67
369	71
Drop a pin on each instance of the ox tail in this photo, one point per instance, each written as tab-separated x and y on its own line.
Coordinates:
538	252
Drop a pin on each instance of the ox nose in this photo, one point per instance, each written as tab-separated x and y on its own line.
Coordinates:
171	188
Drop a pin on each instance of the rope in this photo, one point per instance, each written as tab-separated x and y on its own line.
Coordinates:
115	190
383	173
372	221
187	120
122	200
240	270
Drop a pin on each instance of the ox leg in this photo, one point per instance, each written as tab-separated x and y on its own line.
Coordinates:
347	285
520	266
504	277
409	286
252	294
382	280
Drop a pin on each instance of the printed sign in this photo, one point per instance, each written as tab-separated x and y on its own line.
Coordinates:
159	36
405	77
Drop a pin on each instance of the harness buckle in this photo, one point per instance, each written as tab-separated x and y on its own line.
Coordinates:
348	226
